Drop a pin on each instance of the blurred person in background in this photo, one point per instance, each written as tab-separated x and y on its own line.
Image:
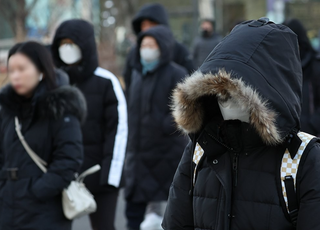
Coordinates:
105	129
310	114
150	15
205	43
49	113
154	147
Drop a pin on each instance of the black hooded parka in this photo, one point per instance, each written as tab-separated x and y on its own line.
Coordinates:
154	146
105	129
236	184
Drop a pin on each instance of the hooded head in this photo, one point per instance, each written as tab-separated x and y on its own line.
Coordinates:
207	27
257	66
154	12
82	34
165	41
306	50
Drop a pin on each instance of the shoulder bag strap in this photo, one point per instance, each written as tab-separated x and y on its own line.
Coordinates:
39	162
88	172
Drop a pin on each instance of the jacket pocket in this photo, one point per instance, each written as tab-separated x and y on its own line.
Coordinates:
24	190
27	207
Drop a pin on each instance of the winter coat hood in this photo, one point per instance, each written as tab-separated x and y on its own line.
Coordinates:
81	33
154	12
54	104
258	65
165	41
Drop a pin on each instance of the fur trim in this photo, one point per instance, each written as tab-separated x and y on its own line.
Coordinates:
62	101
188	112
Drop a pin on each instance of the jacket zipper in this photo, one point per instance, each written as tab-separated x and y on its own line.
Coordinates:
235	164
235	167
235	160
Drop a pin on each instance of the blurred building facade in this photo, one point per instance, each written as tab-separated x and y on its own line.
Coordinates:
112	20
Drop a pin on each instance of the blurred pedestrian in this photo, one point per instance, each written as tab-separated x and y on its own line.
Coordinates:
148	16
310	114
205	43
105	129
242	111
154	147
50	114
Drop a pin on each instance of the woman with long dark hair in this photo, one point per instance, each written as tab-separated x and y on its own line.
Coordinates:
49	115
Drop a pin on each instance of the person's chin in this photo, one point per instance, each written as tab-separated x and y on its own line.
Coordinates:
22	93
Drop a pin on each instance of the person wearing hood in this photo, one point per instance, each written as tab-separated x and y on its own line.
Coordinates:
310	114
154	146
241	110
105	129
148	16
49	114
205	43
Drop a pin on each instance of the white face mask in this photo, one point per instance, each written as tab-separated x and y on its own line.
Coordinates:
149	55
230	110
70	53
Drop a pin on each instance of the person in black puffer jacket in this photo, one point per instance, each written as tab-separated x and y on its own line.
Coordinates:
150	15
242	111
105	129
50	115
154	146
205	43
310	114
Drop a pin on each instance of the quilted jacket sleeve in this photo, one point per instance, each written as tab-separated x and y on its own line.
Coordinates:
67	158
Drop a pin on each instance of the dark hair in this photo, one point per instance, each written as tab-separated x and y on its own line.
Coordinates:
41	58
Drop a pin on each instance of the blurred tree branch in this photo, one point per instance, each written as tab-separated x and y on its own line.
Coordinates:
15	12
130	7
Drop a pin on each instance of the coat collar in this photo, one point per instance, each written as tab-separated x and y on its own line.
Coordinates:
53	104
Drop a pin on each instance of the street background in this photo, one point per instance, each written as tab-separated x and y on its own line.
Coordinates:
120	223
22	20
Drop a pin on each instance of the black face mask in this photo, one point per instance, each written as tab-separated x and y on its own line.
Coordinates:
205	33
75	73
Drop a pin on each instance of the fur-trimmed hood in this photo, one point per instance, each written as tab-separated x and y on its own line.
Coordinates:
256	65
54	104
62	101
